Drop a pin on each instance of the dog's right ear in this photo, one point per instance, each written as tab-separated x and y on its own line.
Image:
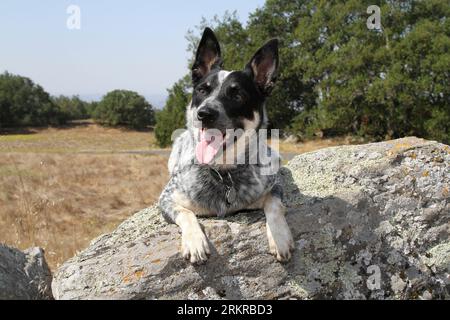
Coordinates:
208	56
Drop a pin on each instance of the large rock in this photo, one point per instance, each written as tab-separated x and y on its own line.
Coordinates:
369	221
24	275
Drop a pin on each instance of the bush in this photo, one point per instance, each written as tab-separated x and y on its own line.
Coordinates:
90	108
172	116
124	108
73	107
438	126
24	103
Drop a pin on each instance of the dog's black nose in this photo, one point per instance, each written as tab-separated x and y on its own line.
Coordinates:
207	114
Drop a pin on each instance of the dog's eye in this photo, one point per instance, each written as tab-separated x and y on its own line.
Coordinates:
235	94
204	90
238	98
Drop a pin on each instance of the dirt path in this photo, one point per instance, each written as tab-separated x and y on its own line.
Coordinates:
162	152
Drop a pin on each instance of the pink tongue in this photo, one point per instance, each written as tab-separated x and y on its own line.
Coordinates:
207	148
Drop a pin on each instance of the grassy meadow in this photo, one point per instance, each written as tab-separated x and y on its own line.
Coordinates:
60	188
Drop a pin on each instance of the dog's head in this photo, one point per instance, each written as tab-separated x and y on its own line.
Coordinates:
223	101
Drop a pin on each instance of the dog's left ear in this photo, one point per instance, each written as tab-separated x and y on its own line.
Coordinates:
207	57
264	66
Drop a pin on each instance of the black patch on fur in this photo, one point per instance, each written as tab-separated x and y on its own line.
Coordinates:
242	93
205	87
240	97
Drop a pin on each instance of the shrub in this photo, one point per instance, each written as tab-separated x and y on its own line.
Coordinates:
172	116
73	107
124	108
24	103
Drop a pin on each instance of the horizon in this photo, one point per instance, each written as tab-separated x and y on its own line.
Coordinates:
120	45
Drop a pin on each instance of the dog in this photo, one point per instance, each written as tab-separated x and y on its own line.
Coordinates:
201	183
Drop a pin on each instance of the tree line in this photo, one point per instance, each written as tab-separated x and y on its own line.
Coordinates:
337	77
24	103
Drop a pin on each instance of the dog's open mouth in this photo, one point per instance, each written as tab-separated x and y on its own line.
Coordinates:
211	142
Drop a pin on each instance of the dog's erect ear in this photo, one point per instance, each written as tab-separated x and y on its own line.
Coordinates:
263	67
208	56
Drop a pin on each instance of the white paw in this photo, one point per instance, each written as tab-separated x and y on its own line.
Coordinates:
195	246
281	242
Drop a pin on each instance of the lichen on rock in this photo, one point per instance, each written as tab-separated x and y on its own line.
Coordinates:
370	222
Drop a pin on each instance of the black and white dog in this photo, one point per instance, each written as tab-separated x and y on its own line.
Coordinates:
203	181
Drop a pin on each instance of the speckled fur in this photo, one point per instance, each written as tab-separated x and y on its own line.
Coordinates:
200	184
196	189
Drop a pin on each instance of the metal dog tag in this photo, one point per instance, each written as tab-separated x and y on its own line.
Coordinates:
231	196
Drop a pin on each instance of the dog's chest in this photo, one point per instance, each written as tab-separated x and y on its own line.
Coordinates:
222	192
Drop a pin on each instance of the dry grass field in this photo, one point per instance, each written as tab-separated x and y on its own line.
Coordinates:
62	187
54	195
81	136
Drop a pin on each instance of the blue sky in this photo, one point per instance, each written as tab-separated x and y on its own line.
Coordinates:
135	45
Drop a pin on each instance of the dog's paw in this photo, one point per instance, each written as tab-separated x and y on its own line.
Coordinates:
281	243
195	246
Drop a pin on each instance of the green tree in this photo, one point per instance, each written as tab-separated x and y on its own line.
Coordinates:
124	108
339	77
90	108
24	103
73	107
172	116
378	84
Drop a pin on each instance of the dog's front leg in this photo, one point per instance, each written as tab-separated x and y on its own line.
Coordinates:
279	235
194	243
176	208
